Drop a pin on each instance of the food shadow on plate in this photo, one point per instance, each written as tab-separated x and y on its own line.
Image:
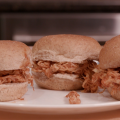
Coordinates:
66	100
31	95
95	98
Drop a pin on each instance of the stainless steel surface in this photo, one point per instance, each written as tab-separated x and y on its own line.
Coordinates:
30	27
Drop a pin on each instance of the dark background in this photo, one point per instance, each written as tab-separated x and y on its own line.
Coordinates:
29	20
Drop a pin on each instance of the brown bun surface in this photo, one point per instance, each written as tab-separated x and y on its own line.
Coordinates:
14	55
56	82
110	54
116	95
63	48
66	48
12	91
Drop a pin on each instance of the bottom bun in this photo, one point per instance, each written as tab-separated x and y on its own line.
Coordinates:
56	83
115	94
12	91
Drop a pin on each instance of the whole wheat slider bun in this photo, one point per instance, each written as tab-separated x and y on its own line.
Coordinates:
12	91
110	54
110	58
57	82
63	48
14	55
66	47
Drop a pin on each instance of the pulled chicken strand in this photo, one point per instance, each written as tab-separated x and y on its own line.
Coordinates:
16	76
84	71
107	78
74	97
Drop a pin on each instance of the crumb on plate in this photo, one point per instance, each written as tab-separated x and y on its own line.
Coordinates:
21	98
74	97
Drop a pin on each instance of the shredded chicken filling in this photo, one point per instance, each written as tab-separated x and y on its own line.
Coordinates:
84	71
15	76
74	97
108	78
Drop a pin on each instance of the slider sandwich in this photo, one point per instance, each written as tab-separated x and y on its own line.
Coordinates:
65	62
14	69
107	74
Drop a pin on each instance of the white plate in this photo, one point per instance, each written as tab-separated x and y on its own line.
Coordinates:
41	101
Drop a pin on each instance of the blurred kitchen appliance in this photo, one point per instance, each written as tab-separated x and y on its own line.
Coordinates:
29	20
31	27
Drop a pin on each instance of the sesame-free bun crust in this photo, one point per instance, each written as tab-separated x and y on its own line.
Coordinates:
57	82
66	48
12	91
110	54
63	48
115	94
14	55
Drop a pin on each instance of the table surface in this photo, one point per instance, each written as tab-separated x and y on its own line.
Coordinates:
109	115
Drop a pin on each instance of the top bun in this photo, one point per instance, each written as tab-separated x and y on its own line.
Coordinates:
110	54
66	48
14	55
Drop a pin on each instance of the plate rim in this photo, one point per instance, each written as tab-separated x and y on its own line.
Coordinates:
105	104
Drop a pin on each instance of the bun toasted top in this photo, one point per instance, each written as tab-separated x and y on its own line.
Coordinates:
66	48
110	54
14	55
